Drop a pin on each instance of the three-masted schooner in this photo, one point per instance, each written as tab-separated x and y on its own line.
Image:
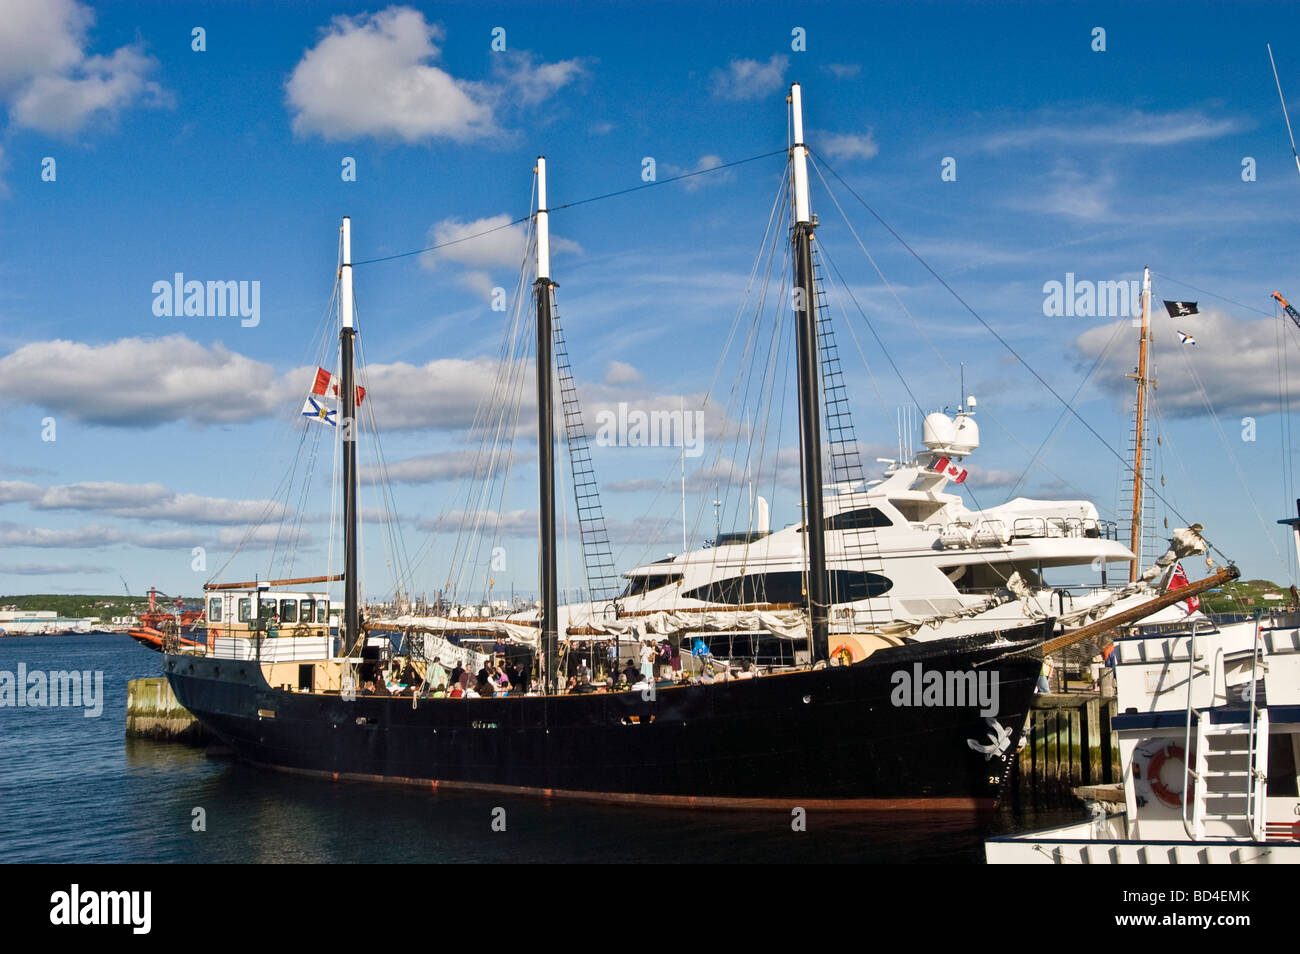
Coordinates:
930	724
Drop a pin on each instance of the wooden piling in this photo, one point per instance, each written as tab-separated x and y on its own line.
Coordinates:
1068	743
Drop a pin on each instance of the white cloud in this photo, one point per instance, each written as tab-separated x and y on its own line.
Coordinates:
843	70
375	75
847	145
492	242
143	501
527	82
1098	126
512	523
370	75
52	569
142	382
441	395
705	163
1072	194
40	37
431	468
105	85
15	535
620	372
52	83
750	79
1234	361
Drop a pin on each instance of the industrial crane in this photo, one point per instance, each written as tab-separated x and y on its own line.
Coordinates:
1286	305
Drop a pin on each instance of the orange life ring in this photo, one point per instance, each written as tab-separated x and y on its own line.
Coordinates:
1158	788
843	654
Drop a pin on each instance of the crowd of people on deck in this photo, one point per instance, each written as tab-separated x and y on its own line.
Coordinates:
657	665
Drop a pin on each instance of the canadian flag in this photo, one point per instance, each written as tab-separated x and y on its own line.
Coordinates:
326	383
1178	581
944	466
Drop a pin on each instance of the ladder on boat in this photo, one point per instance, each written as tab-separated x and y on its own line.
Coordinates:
1228	785
597	554
859	541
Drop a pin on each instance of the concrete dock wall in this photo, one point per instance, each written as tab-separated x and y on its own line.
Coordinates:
152	712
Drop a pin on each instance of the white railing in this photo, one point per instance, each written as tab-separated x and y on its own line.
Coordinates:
272	648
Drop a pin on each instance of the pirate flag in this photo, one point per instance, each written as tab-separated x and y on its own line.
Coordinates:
1177	309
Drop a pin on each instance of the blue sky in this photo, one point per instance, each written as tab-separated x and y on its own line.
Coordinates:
225	165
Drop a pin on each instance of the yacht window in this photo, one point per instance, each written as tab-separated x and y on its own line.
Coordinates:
214	610
322	611
245	610
266	609
308	610
786	586
288	611
654	581
864	518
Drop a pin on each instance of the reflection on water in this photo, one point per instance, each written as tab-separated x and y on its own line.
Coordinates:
74	789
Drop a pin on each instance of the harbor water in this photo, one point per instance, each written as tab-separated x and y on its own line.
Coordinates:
74	789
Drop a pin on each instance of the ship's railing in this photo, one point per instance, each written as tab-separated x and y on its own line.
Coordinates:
1070	527
961	533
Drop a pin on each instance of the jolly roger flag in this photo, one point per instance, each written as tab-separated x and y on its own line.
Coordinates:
1177	309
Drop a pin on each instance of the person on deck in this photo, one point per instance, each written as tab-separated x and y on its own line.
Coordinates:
647	661
437	673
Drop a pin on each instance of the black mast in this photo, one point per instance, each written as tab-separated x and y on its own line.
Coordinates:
350	634
545	439
810	426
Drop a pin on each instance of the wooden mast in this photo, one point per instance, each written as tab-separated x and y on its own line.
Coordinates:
1135	532
810	427
549	617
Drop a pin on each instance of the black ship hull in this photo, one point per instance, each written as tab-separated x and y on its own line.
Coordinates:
852	737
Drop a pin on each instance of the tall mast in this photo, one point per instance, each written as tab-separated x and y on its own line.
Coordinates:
810	426
1135	531
545	437
351	634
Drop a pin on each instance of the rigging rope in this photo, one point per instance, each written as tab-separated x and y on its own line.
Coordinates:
570	205
1006	344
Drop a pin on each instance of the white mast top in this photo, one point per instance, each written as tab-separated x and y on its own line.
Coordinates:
345	274
802	213
543	224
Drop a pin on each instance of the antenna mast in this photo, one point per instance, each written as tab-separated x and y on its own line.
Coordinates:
1135	531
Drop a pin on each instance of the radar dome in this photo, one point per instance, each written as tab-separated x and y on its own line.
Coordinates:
967	437
938	430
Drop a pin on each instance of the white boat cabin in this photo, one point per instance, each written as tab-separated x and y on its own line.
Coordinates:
260	623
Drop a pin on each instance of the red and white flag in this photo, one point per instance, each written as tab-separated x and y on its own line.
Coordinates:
945	466
1177	582
327	383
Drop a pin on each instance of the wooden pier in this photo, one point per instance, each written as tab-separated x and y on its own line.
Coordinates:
1068	743
152	712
